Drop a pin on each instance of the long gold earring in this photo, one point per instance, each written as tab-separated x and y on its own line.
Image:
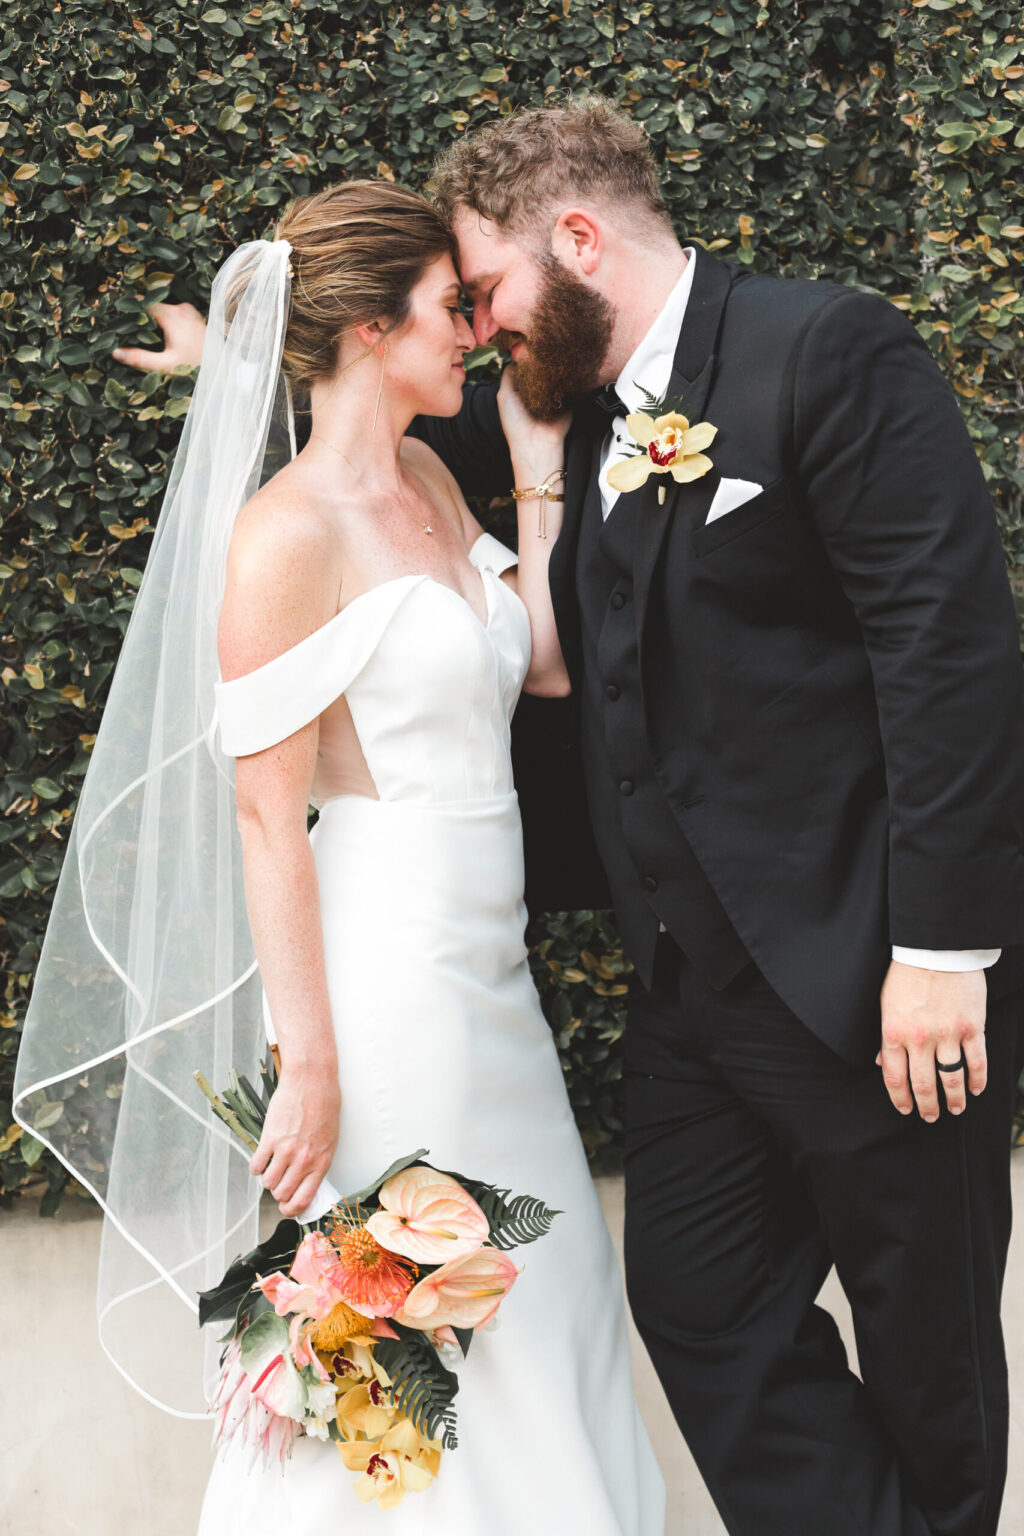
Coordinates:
380	387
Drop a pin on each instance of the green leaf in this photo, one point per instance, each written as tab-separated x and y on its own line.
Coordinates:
423	1388
46	789
48	1115
275	1253
265	1336
362	1196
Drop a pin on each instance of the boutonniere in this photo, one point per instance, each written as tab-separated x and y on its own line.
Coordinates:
663	444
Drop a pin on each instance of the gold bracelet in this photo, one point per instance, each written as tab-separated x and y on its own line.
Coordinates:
544	494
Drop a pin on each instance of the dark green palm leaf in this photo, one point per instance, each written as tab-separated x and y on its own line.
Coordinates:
512	1221
422	1387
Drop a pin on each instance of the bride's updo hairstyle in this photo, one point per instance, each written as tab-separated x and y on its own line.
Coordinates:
358	250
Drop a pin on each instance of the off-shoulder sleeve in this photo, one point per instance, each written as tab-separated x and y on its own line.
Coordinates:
264	706
489	554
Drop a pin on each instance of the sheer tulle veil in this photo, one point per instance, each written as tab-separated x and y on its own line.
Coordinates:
147	970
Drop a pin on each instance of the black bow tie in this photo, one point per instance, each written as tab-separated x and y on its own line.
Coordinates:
607	400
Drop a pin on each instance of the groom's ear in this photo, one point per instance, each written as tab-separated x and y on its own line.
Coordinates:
577	241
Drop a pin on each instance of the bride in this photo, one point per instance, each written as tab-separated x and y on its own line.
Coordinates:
333	627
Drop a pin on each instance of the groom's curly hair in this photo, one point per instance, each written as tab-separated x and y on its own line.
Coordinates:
516	171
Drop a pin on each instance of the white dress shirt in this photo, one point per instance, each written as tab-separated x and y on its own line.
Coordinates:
650	365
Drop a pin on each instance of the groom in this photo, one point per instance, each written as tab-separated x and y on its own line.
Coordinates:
799	699
797	693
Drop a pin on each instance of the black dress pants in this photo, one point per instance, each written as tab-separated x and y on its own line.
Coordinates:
755	1159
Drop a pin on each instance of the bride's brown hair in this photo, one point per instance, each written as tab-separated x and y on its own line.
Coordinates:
358	250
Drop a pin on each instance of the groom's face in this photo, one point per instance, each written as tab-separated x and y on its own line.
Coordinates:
555	327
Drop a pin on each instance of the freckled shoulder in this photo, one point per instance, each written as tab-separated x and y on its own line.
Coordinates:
284	572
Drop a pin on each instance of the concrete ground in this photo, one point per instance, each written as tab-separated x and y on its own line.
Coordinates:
83	1455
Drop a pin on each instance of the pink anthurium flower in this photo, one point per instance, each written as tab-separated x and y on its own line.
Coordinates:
266	1359
302	1349
428	1217
463	1294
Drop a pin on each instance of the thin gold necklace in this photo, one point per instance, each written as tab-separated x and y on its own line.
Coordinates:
425	526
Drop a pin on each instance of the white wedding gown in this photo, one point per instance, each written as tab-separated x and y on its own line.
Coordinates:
442	1044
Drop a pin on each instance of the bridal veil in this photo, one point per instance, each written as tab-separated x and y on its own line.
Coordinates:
147	970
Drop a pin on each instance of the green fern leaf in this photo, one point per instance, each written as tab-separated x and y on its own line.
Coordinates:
422	1387
511	1221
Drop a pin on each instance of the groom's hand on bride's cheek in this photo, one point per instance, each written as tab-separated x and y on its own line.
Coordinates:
183	328
931	1017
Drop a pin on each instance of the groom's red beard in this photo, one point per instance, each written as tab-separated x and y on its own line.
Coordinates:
566	344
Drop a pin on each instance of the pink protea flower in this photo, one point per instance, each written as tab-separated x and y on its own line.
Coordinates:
463	1294
428	1216
237	1412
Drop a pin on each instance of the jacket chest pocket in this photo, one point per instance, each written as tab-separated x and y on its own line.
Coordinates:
754	558
743	520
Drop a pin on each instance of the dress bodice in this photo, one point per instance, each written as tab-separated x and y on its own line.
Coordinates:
430	689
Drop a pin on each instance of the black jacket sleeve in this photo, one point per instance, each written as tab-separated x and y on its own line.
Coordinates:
887	471
472	444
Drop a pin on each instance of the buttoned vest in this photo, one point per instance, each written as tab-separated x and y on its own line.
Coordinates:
653	873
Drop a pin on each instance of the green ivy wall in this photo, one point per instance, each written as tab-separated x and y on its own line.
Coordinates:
873	144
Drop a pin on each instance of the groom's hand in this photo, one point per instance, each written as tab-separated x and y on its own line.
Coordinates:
931	1017
184	329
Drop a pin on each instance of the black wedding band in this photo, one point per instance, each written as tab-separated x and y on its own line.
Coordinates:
949	1066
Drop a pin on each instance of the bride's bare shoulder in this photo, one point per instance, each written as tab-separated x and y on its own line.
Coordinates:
283	576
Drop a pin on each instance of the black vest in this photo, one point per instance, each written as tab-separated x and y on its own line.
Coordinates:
653	873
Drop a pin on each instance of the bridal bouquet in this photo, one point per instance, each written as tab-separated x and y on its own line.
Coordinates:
346	1328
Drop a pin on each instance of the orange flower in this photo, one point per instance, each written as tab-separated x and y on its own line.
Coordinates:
373	1281
343	1323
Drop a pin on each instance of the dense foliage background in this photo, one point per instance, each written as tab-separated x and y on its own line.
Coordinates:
873	144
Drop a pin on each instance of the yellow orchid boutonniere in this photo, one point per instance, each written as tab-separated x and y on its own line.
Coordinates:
663	445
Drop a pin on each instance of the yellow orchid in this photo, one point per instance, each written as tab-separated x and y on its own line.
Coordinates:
671	447
364	1410
401	1461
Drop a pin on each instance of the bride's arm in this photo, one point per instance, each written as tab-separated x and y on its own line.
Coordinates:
537	451
281	585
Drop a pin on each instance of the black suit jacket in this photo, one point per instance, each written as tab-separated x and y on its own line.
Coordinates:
832	682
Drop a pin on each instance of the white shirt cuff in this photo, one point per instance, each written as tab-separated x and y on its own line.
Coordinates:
947	959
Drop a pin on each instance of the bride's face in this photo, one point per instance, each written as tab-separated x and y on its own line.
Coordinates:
425	354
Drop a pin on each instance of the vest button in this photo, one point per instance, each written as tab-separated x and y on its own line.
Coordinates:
626	787
618	600
611	692
650	884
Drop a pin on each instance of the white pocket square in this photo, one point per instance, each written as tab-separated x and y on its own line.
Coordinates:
730	495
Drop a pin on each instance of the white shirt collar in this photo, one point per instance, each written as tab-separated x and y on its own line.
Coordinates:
651	362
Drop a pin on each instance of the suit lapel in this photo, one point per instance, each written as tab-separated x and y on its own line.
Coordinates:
692	374
693	371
